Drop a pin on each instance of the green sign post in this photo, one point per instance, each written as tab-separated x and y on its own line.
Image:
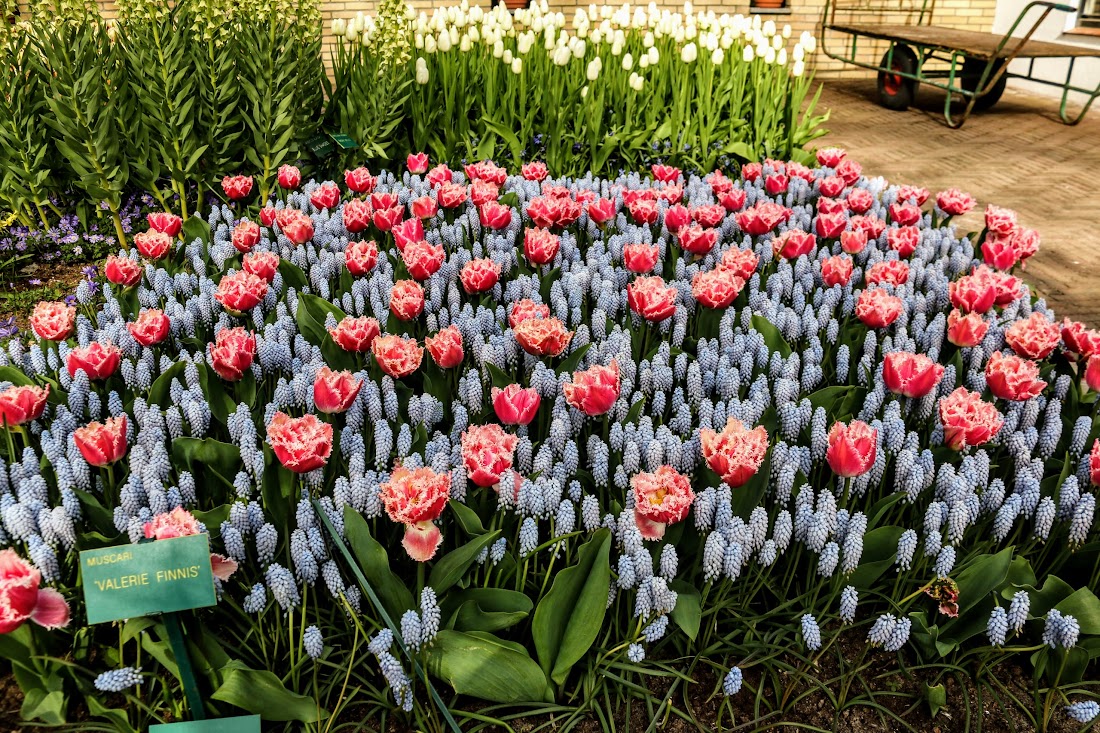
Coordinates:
154	577
165	576
242	724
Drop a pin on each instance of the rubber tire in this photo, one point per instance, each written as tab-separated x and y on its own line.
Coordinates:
972	69
894	92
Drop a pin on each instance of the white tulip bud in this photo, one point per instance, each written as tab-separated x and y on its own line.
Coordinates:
429	44
628	62
643	61
769	28
798	69
507	56
748	55
689	53
578	49
798	53
777	42
584	91
517	65
781	57
464	44
444	42
769	56
498	49
654	55
593	71
786	30
421	71
717	56
339	26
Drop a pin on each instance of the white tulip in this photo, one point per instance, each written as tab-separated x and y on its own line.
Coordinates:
628	62
756	22
768	28
777	42
717	56
593	71
748	55
584	91
429	44
811	44
781	57
464	44
787	30
339	26
578	49
475	34
561	56
654	55
498	49
517	65
769	56
798	53
647	39
444	42
421	71
798	69
616	48
643	61
689	53
507	57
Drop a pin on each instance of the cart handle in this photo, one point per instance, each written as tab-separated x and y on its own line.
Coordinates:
1049	6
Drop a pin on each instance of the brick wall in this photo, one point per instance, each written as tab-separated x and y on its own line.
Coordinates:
803	15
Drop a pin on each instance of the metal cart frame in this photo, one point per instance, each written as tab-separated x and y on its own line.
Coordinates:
986	56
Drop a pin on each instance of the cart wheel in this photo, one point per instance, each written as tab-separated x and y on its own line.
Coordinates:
972	71
895	91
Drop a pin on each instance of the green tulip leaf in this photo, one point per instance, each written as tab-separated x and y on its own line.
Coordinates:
569	617
262	692
483	666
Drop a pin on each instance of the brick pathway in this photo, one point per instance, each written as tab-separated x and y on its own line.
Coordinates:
1017	155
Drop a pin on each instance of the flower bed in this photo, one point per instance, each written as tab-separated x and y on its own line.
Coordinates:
616	88
569	436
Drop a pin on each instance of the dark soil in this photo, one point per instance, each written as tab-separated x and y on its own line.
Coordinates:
897	704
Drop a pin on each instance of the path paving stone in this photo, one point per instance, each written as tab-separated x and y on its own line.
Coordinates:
1017	155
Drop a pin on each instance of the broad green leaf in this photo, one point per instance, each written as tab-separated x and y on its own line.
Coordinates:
15	376
487	609
159	393
1084	606
206	456
500	379
483	666
375	564
450	568
569	617
195	228
880	547
981	577
570	363
467	518
263	693
772	337
687	614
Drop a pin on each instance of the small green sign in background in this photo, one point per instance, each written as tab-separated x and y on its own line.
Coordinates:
243	724
128	581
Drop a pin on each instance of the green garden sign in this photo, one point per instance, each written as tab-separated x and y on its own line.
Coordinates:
242	724
155	577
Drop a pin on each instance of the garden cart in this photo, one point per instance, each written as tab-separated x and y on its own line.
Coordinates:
971	66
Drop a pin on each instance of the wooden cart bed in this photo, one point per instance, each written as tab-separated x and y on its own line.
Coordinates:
972	43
